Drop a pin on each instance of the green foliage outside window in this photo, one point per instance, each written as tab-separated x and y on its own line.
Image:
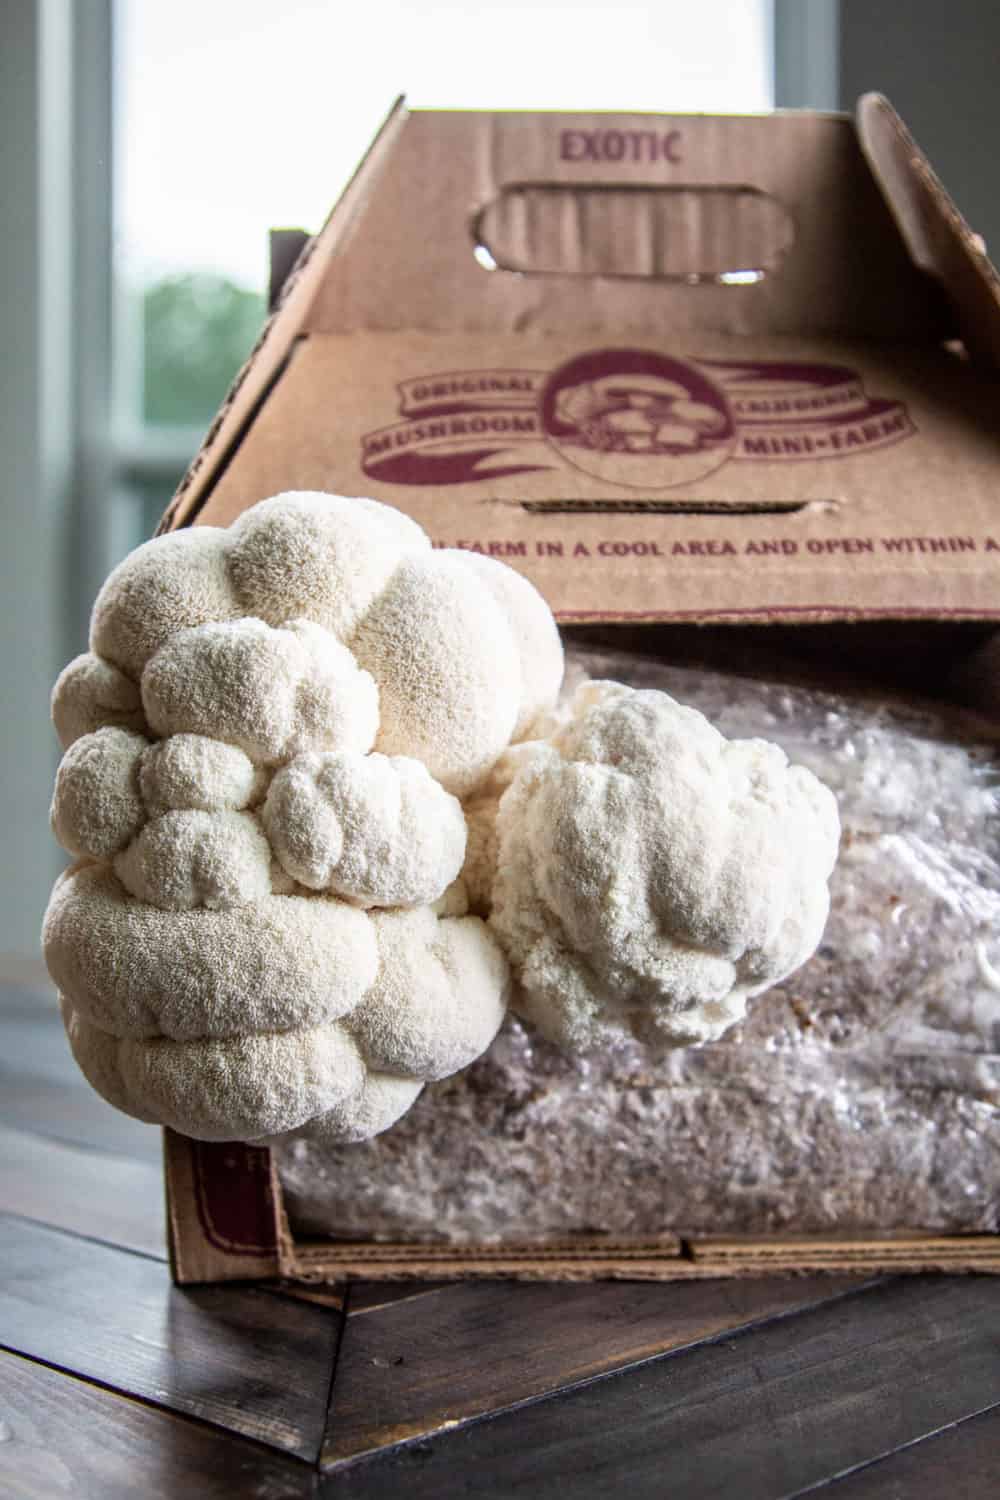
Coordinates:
198	328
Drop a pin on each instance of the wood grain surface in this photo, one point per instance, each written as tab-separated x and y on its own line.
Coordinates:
43	1091
764	1414
116	1199
235	1356
961	1462
115	1384
397	1375
63	1436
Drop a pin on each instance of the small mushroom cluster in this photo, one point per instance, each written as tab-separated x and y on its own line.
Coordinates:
324	808
648	877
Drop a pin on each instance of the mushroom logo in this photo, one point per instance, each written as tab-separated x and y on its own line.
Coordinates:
637	418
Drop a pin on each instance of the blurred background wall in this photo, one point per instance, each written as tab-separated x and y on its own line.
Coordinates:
147	145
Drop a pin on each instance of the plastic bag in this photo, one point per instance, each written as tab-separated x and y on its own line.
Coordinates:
861	1095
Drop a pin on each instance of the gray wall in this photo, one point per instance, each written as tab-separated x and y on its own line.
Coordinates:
55	331
34	472
939	63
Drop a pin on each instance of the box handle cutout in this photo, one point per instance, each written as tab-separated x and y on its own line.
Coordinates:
720	235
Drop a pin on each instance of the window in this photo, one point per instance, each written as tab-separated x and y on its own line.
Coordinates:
239	115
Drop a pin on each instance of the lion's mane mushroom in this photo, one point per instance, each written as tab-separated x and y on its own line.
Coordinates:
299	757
652	876
265	747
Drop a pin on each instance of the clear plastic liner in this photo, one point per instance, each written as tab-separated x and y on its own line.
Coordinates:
863	1094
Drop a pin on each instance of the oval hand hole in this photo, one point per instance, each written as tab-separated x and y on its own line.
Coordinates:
723	235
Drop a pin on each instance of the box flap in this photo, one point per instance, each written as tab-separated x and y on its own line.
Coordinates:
939	239
593	199
669	367
631	223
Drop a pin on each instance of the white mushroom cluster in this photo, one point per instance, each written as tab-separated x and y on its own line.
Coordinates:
649	876
321	806
264	754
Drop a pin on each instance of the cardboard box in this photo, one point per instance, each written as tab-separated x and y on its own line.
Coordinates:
674	369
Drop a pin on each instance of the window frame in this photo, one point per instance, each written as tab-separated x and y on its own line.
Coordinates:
145	454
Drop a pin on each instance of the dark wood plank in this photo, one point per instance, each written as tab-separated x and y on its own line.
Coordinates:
235	1356
115	1199
765	1414
61	1436
415	1367
42	1091
962	1462
69	1110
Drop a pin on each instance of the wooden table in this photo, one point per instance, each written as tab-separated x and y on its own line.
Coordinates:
114	1383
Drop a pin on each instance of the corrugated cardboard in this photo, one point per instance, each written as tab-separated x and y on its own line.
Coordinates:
672	368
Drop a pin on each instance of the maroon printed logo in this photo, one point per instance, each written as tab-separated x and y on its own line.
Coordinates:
629	417
632	417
